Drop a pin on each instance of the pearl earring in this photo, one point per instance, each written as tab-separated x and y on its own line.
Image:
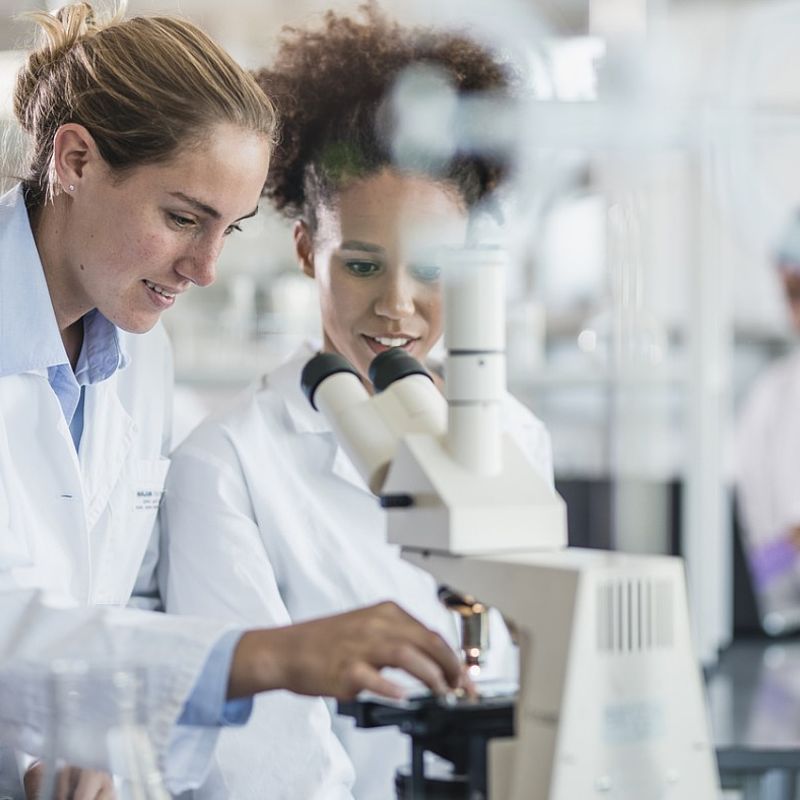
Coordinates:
71	187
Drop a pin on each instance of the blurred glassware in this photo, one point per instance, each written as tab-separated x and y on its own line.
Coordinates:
625	336
126	745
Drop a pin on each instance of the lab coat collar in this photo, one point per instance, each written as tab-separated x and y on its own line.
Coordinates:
304	419
29	337
286	381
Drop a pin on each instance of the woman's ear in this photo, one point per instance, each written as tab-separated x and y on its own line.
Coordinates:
74	150
304	247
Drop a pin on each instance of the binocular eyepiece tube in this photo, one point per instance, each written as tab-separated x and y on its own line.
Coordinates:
369	428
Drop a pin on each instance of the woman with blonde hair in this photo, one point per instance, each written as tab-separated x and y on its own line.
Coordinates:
150	146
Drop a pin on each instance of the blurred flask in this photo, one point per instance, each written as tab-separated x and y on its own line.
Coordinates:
99	723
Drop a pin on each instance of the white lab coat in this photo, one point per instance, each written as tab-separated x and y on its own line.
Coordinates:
767	454
74	529
268	522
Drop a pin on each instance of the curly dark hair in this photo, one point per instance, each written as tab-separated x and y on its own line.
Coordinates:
329	86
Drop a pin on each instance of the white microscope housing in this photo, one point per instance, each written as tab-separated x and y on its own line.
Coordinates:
610	701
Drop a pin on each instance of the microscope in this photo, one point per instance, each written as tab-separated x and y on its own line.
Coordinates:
610	700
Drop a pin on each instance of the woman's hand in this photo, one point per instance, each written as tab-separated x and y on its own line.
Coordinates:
341	655
73	784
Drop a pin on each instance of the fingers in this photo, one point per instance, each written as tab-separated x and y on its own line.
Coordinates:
34	777
93	785
367	678
437	649
72	784
417	664
448	672
65	784
389	637
32	780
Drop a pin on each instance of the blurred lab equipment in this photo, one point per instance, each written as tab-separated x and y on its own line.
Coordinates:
610	696
75	734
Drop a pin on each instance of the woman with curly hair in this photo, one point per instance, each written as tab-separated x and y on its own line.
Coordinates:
266	518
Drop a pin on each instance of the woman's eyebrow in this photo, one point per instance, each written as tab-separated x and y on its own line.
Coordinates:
198	205
204	208
366	247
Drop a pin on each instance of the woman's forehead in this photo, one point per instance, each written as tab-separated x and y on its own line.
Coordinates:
382	225
393	201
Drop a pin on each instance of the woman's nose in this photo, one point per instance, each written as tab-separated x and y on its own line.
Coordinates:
396	300
200	266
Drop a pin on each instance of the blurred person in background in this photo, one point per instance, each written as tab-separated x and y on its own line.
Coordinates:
767	458
265	516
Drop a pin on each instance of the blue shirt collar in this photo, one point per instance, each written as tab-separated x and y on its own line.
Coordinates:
29	336
101	355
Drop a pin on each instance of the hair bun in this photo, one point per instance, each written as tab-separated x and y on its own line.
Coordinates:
58	34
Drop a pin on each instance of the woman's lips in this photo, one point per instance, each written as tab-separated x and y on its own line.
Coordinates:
379	344
158	296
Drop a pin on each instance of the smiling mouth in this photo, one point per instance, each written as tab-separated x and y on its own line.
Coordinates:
159	289
380	343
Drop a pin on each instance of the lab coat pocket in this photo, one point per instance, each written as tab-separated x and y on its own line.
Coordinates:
147	485
134	505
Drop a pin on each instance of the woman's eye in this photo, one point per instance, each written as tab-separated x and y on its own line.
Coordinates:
362	268
181	222
428	274
231	228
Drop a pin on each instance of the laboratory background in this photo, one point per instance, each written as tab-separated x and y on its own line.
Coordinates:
657	183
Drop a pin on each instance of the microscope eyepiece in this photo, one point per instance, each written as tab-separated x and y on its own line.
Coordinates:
392	365
322	366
